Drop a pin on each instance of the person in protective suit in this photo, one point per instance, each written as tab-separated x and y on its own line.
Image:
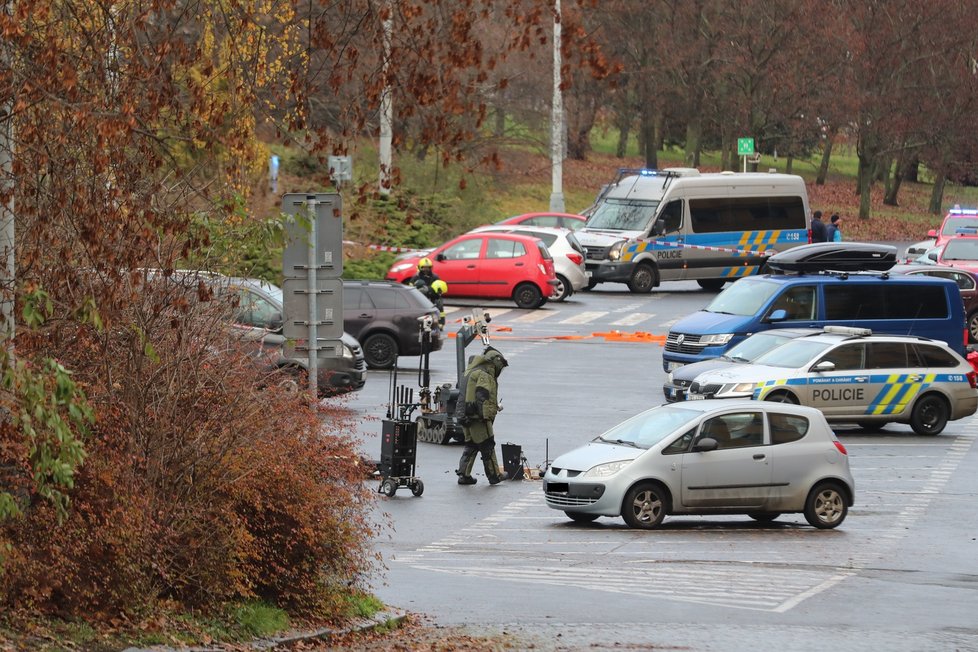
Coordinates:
478	403
431	286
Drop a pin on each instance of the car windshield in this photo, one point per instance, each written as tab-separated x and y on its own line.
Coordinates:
756	345
961	249
650	427
952	224
793	354
622	215
745	297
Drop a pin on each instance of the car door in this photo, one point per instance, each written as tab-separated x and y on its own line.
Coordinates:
738	473
358	309
894	382
457	263
846	389
671	258
506	263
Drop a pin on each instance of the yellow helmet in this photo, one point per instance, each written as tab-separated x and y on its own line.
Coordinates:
424	262
439	287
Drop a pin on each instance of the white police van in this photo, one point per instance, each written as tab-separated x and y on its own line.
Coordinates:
676	224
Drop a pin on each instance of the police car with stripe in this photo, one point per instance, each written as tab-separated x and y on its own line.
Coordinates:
854	376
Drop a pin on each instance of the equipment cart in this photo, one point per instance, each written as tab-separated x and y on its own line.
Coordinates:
399	442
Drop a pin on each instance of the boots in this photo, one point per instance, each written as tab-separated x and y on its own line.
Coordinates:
466	479
499	477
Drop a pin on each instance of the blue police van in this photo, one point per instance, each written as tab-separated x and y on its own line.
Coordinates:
818	285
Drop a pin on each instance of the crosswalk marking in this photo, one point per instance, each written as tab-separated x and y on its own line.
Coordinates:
535	316
632	319
584	317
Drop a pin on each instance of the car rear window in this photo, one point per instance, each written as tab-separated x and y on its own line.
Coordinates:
548	238
786	428
935	356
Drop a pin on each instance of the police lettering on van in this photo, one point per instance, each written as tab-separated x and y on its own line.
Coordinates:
650	226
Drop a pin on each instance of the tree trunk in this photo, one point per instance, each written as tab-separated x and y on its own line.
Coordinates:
624	127
648	139
694	132
865	183
789	163
658	131
823	168
899	171
940	178
912	171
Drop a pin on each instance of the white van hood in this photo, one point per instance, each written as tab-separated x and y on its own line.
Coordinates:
601	238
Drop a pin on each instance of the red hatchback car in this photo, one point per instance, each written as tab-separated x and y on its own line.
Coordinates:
490	266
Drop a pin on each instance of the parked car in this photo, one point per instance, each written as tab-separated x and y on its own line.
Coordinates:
960	251
567	252
956	218
555	220
707	457
679	380
967	282
387	319
258	318
854	376
489	266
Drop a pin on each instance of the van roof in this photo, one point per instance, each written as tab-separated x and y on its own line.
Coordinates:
653	184
825	278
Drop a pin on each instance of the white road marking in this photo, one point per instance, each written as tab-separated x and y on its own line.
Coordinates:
632	319
584	317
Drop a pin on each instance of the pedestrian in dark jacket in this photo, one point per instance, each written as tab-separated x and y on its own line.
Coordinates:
476	409
833	232
818	228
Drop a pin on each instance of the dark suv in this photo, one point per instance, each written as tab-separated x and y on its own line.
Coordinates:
386	318
259	317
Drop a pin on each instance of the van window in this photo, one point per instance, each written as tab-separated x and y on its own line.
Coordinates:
798	302
745	297
622	215
849	302
672	216
725	214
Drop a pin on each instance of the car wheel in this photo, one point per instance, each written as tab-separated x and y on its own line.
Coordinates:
642	280
929	415
782	397
578	517
292	379
380	351
564	289
527	296
973	327
711	284
764	517
645	506
825	507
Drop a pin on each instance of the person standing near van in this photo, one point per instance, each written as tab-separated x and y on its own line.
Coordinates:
818	228
834	230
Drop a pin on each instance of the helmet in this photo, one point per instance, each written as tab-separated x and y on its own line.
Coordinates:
497	359
424	262
439	287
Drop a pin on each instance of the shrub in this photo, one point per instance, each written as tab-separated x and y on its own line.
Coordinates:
203	482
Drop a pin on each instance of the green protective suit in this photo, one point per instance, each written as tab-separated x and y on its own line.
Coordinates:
478	404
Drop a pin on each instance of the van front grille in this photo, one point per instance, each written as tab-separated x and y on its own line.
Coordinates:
684	343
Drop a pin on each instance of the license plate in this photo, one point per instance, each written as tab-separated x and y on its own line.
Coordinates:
694	397
670	366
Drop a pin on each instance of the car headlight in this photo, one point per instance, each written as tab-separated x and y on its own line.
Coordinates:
738	388
615	252
348	352
720	338
607	469
400	267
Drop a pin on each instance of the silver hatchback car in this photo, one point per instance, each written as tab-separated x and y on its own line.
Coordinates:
707	457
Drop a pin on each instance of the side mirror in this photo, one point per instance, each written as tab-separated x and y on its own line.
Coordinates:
440	257
705	444
932	256
275	322
778	315
932	233
659	228
824	365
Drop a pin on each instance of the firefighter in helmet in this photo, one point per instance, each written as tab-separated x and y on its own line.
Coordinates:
431	286
476	409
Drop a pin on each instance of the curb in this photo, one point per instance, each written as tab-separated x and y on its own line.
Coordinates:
389	618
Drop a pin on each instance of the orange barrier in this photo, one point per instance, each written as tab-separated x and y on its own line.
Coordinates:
640	337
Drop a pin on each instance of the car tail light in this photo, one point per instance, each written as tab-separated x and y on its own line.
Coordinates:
973	379
809	236
838	444
577	259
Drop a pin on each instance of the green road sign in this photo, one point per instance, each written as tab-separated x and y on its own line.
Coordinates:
745	147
